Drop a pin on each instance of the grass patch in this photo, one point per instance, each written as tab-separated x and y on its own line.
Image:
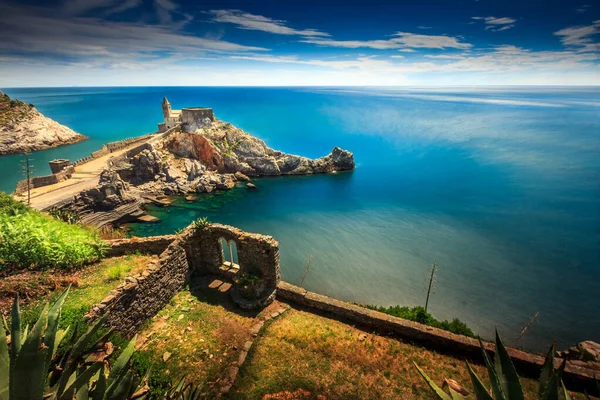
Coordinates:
418	314
336	361
30	239
201	337
89	286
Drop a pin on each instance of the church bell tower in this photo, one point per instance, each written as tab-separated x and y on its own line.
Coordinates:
166	107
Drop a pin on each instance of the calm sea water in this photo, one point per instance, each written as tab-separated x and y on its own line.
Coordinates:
499	186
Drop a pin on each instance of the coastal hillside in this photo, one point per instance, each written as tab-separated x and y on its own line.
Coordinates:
24	129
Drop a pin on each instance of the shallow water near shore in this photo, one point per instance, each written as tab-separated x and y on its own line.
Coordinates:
499	186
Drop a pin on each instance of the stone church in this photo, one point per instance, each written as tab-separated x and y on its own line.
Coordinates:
190	119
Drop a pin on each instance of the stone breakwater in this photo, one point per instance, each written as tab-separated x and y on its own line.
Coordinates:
182	163
24	129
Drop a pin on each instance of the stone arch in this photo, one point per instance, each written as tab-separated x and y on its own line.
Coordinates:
229	252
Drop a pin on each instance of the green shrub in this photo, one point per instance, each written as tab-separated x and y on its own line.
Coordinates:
31	239
418	314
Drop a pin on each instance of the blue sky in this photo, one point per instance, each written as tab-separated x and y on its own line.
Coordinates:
351	42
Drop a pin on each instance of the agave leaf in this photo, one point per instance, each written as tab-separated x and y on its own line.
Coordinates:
29	379
509	373
455	395
5	324
81	381
120	388
100	388
4	365
119	367
551	391
547	370
77	350
436	389
53	319
481	393
494	380
565	392
24	333
15	333
60	335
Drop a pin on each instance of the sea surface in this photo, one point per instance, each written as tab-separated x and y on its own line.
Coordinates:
500	186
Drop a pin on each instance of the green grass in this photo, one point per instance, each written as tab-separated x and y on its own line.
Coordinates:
30	239
300	351
418	314
95	282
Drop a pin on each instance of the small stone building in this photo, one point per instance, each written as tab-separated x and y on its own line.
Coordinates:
191	119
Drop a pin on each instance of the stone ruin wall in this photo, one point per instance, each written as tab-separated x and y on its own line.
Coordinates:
254	251
194	251
193	118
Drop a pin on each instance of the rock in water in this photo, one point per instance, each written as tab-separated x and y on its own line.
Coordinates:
250	186
25	129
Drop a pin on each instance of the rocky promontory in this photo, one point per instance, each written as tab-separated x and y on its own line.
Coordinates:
212	158
24	129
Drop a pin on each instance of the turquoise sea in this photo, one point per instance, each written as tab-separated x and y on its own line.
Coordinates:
500	186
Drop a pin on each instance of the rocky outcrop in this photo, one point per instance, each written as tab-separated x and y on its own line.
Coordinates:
25	129
214	158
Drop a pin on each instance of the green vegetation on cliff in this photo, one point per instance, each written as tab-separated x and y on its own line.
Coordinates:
420	315
30	239
13	111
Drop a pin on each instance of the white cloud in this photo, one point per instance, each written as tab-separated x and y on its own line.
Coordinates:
583	8
164	10
424	27
445	56
37	33
581	37
412	40
497	24
259	23
403	41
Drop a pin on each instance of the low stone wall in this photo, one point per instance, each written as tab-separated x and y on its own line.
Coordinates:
40	181
148	245
142	296
526	363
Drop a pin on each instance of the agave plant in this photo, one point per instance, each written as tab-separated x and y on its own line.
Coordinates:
504	380
32	368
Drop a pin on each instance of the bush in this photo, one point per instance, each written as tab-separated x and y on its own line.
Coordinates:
418	314
31	239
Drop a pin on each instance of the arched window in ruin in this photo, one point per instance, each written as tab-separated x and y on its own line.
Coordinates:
234	253
229	256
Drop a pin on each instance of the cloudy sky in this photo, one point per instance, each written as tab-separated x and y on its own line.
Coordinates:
299	42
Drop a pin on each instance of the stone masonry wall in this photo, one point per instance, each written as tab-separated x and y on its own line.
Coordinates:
254	251
142	296
40	181
146	245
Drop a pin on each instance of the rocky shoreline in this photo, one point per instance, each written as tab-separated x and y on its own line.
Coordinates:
24	129
186	163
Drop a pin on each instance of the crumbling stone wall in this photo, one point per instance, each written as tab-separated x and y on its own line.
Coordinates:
146	245
40	181
142	296
254	251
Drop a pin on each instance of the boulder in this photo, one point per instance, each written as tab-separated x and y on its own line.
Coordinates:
241	177
251	186
587	351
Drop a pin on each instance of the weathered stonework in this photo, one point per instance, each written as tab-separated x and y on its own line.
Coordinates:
255	253
142	296
146	245
195	250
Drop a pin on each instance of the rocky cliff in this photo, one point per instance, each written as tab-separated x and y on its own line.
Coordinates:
213	158
25	129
